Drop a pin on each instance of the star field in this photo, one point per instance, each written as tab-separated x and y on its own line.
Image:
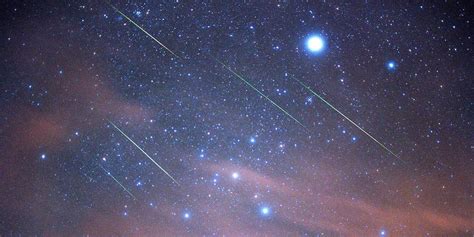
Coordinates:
200	123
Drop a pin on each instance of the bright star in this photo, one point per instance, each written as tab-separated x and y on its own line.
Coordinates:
265	211
187	215
252	140
391	65
315	44
43	156
235	175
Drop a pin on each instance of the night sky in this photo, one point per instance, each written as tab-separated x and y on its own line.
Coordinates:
97	118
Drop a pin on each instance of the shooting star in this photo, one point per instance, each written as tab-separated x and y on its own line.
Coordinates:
146	154
228	68
140	28
259	92
348	119
121	185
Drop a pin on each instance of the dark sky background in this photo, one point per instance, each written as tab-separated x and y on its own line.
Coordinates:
71	69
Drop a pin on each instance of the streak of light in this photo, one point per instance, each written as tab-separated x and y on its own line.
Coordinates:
228	68
347	118
146	154
259	92
141	28
121	185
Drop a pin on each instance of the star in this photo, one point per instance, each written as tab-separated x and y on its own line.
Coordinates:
265	211
391	65
235	175
315	44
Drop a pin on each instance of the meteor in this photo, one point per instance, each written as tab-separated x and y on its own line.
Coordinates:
344	116
121	185
146	154
140	28
227	67
259	92
251	86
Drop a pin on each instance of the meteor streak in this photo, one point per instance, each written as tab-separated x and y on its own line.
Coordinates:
144	31
259	92
121	185
146	154
344	116
228	68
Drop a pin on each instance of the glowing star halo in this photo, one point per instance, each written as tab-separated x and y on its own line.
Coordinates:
315	44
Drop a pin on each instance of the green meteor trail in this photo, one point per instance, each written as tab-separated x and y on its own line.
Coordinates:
228	68
259	92
146	154
121	185
344	116
144	31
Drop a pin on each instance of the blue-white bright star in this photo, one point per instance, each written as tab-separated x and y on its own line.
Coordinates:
265	211
235	175
315	44
187	215
391	65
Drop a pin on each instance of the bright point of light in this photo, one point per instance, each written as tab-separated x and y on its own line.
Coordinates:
235	175
383	233
43	156
391	65
252	140
265	211
187	215
315	44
